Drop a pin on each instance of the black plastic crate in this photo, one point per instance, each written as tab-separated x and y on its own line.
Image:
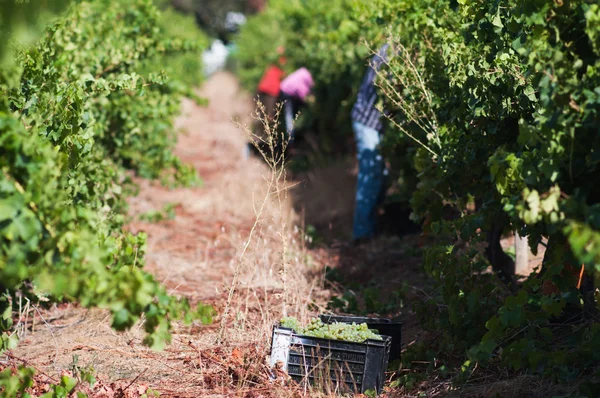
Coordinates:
383	326
344	365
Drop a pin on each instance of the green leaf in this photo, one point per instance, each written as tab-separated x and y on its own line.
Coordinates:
68	383
530	93
497	21
7	210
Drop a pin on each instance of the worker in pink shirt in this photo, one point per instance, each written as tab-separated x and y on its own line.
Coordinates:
294	90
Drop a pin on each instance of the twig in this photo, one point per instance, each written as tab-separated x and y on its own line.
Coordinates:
51	333
580	276
238	268
109	68
134	380
113	350
425	119
26	363
276	164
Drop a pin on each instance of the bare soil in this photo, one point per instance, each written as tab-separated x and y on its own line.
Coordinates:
197	254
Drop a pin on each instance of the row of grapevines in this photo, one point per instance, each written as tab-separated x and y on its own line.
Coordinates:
83	105
500	102
495	110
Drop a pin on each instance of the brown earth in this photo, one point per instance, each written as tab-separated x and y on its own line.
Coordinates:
198	254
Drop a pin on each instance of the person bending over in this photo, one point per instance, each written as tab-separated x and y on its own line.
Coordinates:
368	129
294	90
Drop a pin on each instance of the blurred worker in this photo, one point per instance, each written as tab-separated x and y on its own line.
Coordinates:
234	21
215	57
368	128
269	86
267	94
294	90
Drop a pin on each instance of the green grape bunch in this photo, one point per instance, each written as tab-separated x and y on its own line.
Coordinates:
352	332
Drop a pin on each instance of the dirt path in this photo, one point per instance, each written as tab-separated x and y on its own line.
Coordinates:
195	256
191	253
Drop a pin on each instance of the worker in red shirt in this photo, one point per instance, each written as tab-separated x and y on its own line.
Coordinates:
268	92
268	88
